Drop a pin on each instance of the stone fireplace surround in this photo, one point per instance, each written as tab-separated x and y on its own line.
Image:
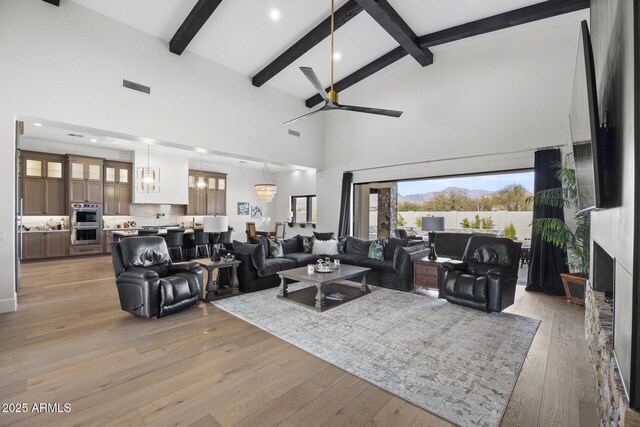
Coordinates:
613	406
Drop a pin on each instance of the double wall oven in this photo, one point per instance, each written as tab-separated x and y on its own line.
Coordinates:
86	223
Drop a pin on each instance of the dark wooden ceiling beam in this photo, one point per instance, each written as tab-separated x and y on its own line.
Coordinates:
53	2
192	24
387	17
343	15
513	18
505	20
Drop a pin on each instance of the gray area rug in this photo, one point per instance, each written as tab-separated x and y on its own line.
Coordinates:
459	363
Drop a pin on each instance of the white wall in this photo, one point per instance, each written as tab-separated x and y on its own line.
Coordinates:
503	92
66	64
294	183
174	178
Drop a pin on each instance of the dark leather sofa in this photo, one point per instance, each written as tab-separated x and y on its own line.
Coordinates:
487	276
256	272
149	284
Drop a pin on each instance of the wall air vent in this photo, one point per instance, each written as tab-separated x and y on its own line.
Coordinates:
294	133
136	86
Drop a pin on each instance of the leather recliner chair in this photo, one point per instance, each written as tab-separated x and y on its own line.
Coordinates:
149	284
487	276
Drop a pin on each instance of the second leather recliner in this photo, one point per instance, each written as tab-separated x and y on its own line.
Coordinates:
487	276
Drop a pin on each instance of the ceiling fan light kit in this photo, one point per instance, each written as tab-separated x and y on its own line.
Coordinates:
331	98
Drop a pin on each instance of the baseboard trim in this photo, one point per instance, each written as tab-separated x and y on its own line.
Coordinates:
9	305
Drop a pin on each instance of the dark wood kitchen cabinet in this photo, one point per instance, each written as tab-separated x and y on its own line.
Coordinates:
217	195
33	246
42	186
45	244
117	188
85	179
211	199
57	244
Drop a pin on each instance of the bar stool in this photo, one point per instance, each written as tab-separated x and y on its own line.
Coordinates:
225	237
200	242
175	239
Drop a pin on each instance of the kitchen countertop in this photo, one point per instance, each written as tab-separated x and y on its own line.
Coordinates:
129	232
46	231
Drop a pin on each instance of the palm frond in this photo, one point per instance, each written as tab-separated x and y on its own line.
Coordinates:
552	197
554	231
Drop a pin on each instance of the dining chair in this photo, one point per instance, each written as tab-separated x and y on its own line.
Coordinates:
251	230
280	230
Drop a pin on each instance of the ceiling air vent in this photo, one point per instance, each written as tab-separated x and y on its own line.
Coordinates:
294	133
136	86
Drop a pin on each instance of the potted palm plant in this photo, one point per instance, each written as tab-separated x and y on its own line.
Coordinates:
573	238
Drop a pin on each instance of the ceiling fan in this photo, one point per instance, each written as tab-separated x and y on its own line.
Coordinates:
331	98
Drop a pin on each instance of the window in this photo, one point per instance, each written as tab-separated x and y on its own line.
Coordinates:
303	208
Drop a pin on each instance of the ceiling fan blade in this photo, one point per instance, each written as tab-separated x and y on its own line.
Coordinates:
311	75
308	114
379	111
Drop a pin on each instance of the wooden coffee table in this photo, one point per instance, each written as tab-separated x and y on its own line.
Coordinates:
324	284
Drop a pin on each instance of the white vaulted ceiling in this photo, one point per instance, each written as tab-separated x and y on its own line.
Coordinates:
240	34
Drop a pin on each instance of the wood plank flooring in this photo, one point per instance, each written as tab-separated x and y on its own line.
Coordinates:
69	342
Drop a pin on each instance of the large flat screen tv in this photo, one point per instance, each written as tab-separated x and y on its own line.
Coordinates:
586	135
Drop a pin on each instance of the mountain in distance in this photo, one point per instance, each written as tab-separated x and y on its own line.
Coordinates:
424	197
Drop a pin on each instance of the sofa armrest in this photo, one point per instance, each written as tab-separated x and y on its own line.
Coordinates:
255	256
455	266
404	256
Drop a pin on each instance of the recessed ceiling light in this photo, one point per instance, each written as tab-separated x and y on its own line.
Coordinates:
337	56
94	140
37	124
274	15
242	161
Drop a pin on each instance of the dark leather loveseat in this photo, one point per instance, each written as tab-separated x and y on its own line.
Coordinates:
149	284
487	276
257	272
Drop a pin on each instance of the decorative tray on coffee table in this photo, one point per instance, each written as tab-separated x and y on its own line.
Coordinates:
324	269
323	266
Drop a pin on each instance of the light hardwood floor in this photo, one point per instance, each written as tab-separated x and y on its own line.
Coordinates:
70	343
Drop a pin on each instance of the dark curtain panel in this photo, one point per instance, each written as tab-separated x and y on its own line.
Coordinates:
345	204
547	260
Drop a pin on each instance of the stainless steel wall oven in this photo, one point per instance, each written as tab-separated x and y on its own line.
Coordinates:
86	223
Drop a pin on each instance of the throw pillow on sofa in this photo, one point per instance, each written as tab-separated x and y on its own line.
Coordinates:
291	245
376	250
342	245
307	243
325	247
357	246
275	249
324	236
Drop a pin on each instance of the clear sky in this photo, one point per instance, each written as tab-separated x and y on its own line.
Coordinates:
476	182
